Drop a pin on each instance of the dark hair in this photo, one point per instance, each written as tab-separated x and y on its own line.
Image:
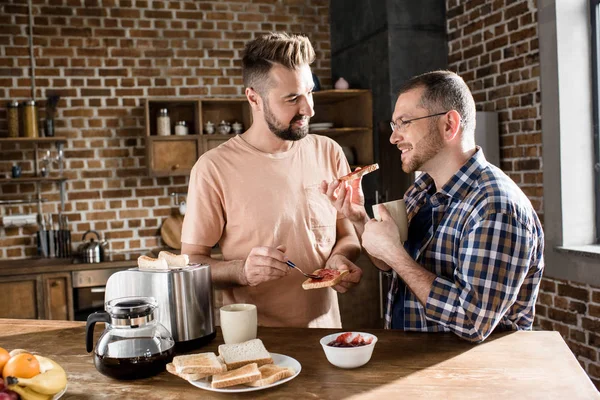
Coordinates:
291	51
444	91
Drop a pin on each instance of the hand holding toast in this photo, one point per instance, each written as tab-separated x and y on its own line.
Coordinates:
264	264
341	263
347	197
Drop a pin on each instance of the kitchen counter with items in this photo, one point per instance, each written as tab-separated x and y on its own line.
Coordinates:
403	365
54	265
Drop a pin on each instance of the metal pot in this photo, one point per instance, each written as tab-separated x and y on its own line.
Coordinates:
92	251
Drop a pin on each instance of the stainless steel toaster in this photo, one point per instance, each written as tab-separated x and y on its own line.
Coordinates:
184	296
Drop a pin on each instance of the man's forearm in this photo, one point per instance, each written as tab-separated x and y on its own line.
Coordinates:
347	247
225	274
418	279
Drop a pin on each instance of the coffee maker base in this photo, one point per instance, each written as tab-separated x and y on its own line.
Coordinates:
188	345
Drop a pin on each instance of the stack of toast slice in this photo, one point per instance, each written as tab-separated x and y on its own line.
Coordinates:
247	363
165	261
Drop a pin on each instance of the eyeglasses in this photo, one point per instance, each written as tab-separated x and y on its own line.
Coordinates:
404	124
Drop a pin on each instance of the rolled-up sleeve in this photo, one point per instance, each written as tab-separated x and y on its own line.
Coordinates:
494	259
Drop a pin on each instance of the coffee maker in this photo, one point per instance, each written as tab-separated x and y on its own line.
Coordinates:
184	297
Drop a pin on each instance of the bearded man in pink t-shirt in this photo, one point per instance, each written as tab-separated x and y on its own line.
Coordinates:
257	195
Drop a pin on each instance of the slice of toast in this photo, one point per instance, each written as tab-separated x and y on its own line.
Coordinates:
239	376
174	260
187	376
271	373
239	354
145	262
361	172
325	282
203	363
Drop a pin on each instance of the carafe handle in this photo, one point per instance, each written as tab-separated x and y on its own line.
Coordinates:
100	316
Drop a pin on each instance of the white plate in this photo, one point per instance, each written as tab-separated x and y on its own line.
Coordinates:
320	126
279	359
60	394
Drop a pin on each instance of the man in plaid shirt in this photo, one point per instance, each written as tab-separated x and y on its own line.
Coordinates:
473	260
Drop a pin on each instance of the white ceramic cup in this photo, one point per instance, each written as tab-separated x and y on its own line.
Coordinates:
397	209
238	322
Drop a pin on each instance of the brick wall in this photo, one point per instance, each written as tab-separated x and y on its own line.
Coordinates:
493	45
104	58
573	310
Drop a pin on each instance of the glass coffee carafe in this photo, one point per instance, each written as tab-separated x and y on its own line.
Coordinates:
134	344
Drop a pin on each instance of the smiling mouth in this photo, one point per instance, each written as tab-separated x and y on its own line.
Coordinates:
405	149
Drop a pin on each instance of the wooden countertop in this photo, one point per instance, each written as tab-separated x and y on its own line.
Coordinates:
404	366
52	265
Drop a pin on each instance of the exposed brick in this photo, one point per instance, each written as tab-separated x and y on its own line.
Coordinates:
583	351
568	318
573	292
590	324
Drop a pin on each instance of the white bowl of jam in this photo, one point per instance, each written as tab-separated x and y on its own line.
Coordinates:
348	349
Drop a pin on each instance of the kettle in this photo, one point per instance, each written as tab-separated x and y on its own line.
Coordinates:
134	344
92	252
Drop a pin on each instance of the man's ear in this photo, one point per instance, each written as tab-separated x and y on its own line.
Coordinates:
254	99
451	124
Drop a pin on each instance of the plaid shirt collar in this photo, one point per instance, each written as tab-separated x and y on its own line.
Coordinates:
459	185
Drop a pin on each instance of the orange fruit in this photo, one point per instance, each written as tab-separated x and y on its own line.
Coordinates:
22	365
4	356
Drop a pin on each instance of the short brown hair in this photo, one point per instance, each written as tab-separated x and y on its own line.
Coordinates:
444	91
291	51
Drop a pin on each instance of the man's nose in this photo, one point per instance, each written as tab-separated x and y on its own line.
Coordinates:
395	137
307	107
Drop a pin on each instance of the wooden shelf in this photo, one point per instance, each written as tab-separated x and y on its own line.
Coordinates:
56	139
156	138
28	179
350	111
334	95
10	202
340	131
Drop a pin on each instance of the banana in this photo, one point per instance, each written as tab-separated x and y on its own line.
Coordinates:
28	394
15	352
50	382
45	363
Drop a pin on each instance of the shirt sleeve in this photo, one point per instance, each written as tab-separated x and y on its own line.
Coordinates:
204	217
494	259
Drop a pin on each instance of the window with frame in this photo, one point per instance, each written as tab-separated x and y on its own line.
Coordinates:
595	36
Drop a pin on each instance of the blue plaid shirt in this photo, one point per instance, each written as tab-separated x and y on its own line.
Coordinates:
486	247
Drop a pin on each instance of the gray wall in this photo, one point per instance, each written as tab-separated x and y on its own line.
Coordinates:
378	45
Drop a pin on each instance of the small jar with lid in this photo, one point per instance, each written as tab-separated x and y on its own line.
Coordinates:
163	123
181	128
12	119
30	120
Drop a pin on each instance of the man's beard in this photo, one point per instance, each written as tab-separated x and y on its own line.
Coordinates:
288	133
429	147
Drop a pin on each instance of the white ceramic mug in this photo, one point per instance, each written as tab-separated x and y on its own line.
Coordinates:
238	322
397	209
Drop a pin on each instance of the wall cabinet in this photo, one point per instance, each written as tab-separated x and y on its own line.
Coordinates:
37	296
175	155
350	112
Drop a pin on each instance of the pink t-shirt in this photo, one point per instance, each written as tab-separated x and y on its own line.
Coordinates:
242	198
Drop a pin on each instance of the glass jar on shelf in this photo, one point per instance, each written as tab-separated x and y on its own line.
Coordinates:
30	120
163	123
12	119
181	128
